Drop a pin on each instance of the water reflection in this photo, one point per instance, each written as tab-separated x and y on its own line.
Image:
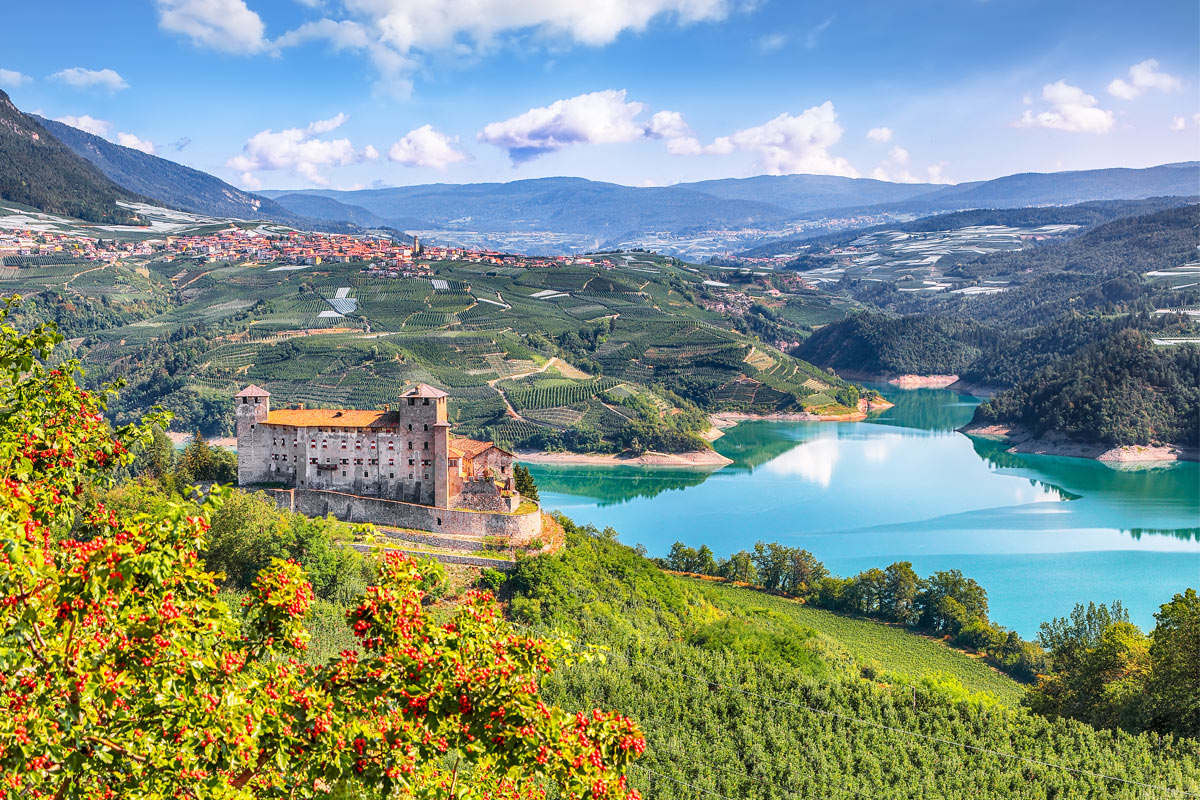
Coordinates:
1039	532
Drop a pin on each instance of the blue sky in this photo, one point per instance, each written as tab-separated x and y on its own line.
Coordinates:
358	93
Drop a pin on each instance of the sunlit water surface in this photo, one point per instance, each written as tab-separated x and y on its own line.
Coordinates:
1040	533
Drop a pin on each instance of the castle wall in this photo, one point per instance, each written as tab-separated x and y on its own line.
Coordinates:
518	528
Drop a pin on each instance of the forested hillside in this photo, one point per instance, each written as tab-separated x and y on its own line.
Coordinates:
1122	390
37	170
168	183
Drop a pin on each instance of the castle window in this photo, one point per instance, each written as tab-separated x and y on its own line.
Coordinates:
412	461
391	475
412	402
244	401
425	446
424	403
366	474
343	474
257	399
426	427
391	462
410	445
312	461
410	426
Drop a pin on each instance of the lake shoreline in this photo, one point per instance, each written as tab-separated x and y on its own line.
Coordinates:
695	459
1023	441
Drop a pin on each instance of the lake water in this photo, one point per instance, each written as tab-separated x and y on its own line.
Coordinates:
1040	533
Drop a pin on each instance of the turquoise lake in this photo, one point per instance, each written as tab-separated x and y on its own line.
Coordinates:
1040	533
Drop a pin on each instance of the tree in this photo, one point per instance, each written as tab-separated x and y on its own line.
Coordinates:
739	567
526	486
705	564
1174	688
900	593
122	674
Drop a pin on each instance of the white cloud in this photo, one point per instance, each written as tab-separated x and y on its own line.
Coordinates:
881	134
937	172
296	149
226	25
895	167
793	144
251	182
426	147
771	42
12	79
390	32
671	127
81	78
129	140
814	33
1142	76
326	125
596	118
1178	124
1071	109
87	123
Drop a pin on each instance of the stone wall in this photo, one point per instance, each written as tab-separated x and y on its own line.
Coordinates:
517	528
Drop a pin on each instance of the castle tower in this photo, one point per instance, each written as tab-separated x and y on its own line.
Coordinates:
251	407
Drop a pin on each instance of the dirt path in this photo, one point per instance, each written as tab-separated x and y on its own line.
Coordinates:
512	412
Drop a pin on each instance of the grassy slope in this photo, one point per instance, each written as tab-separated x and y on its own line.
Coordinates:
738	695
897	651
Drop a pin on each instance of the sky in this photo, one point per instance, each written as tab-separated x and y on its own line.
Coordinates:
348	94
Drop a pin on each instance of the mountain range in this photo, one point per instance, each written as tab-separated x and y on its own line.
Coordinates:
60	169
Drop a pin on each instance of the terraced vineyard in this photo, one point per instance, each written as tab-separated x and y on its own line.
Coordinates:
332	335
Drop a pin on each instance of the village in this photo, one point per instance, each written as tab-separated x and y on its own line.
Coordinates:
381	255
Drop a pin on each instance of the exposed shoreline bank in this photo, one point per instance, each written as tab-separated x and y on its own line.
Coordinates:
695	459
954	383
1023	441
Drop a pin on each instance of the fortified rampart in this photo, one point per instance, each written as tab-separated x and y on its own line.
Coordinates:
517	529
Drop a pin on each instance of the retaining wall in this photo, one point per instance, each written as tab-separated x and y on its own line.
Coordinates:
517	528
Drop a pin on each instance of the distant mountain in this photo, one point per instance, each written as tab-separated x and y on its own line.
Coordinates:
800	193
39	171
608	212
560	205
320	207
169	183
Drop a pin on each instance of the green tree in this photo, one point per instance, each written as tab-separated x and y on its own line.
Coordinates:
1174	688
900	593
526	486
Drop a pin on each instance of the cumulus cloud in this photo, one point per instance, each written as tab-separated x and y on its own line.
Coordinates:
881	134
129	140
793	144
12	79
391	32
297	150
1143	76
604	117
1071	109
672	129
80	78
895	167
97	127
426	147
226	25
1178	124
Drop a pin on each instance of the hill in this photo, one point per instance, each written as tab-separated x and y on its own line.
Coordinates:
171	184
750	696
320	207
37	170
587	357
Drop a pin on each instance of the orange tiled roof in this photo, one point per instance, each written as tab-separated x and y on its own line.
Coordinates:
331	417
468	448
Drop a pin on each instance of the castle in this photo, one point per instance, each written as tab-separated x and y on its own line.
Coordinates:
403	453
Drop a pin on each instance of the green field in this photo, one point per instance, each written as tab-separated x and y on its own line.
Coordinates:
896	650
